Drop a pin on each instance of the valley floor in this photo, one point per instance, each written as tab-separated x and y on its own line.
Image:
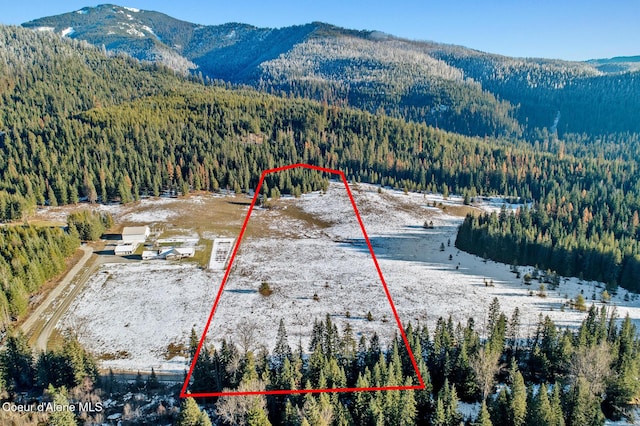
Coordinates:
138	315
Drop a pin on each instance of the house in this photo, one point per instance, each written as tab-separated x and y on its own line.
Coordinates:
135	234
125	249
185	252
169	253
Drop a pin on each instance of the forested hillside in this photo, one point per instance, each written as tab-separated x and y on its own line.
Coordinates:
451	87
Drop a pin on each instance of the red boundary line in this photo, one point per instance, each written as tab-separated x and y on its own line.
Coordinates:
184	393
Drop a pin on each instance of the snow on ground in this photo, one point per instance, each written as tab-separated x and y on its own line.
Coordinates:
148	216
425	284
469	411
143	211
67	31
312	253
495	204
134	311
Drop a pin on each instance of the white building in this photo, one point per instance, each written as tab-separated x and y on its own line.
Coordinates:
169	253
125	249
135	234
220	252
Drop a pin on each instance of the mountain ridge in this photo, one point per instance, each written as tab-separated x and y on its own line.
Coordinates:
452	87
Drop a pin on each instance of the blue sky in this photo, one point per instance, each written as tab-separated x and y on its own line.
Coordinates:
566	29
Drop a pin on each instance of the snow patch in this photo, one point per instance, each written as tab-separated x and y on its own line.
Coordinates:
131	9
150	31
82	11
48	29
131	29
469	411
149	216
67	31
495	204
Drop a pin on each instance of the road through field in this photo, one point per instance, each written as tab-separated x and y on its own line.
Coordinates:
37	316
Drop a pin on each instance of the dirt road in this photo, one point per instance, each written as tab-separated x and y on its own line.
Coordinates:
41	325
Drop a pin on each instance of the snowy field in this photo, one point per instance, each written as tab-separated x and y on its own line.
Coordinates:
312	253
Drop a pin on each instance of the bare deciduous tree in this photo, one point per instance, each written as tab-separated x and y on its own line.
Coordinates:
233	410
594	365
247	335
485	365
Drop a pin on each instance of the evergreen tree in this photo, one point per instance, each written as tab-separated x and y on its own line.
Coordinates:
583	408
483	417
541	411
557	416
152	381
204	419
407	412
499	408
193	343
62	417
282	349
518	400
257	416
190	414
16	364
439	416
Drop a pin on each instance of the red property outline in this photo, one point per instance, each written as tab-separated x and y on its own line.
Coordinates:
185	394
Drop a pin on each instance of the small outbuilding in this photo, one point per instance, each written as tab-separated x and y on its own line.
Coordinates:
125	249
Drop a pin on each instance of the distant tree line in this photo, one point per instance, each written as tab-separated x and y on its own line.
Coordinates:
569	240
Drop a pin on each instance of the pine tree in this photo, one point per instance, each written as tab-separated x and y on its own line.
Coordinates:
193	343
424	402
152	381
408	407
190	414
483	417
362	400
448	400
557	416
518	400
282	349
291	415
257	416
204	419
249	373
583	408
63	417
16	364
139	383
499	408
439	417
542	414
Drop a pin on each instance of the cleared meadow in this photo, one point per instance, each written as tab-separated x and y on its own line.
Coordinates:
311	252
